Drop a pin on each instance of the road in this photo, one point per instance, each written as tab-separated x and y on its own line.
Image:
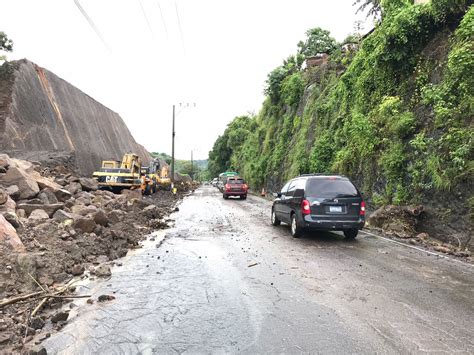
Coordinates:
194	290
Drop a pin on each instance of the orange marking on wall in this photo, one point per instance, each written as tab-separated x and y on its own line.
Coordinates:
52	100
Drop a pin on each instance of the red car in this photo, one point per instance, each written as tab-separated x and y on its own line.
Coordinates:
235	186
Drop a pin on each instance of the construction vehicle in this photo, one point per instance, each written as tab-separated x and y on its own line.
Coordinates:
157	175
116	175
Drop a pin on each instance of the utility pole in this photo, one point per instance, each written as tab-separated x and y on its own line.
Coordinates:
172	149
192	168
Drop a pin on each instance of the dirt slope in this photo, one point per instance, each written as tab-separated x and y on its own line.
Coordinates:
41	113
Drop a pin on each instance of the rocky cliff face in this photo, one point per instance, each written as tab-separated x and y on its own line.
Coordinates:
42	117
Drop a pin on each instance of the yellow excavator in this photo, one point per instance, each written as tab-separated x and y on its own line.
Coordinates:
116	175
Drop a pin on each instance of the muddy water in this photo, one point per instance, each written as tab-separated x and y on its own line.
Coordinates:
224	281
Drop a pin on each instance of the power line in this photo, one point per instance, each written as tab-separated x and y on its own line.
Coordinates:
162	18
92	24
179	25
146	18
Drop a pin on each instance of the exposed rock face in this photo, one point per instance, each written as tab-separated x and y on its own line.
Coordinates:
41	113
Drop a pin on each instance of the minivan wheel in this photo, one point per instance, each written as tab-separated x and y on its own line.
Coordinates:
275	220
296	231
225	197
351	233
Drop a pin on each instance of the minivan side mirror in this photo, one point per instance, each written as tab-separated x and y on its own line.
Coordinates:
276	194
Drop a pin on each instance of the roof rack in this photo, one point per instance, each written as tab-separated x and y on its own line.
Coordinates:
322	174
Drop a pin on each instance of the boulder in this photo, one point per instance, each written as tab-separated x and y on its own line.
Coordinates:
62	195
101	218
12	218
77	270
8	206
3	196
25	182
44	182
61	216
74	187
132	194
9	238
85	224
88	184
49	209
5	161
38	215
21	213
13	191
83	200
103	270
47	196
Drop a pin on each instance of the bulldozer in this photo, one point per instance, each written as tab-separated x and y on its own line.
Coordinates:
156	175
116	176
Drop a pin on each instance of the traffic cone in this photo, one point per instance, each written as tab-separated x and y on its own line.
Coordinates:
263	194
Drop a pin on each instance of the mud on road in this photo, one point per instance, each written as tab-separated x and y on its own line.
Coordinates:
224	280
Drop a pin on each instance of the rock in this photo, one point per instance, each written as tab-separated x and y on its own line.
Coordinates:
5	161
77	270
35	350
60	317
85	224
463	253
8	206
38	215
47	196
422	236
12	218
3	196
103	270
21	213
104	298
37	323
61	216
74	187
44	182
72	178
8	236
13	191
25	182
101	218
101	259
62	195
442	249
83	201
399	220
50	209
88	184
115	216
132	194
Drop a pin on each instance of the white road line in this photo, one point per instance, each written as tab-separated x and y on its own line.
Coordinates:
416	248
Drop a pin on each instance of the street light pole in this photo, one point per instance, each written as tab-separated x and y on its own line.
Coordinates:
172	148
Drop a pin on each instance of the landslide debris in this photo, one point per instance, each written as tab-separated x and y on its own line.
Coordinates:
54	227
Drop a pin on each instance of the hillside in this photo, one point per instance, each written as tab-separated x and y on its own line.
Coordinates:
42	116
394	114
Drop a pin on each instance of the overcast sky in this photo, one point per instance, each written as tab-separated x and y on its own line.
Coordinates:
214	53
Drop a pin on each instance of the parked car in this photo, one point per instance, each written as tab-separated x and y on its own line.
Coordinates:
320	202
214	182
235	186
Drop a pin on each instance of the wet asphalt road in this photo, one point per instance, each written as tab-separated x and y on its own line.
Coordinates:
198	293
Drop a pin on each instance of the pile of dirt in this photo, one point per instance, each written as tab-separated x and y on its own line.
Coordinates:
54	227
403	222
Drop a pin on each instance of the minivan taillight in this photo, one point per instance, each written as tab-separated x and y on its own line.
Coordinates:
362	208
227	187
245	187
305	207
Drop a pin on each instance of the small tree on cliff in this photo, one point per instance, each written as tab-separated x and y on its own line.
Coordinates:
317	41
6	44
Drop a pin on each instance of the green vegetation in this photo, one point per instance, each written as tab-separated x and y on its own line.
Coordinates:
395	116
198	170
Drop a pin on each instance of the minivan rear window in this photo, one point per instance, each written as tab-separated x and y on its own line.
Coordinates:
330	188
235	181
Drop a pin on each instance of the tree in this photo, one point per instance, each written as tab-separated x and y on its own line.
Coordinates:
6	44
317	41
375	7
